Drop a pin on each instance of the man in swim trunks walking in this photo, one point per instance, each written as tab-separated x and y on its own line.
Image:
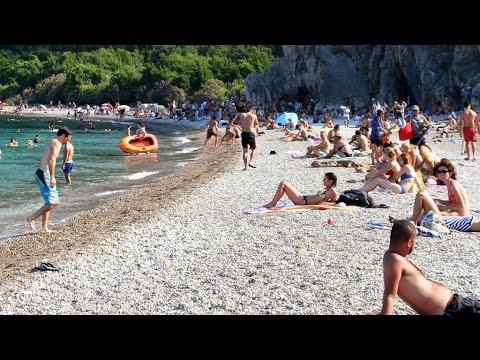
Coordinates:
45	178
403	278
212	131
468	124
249	122
68	162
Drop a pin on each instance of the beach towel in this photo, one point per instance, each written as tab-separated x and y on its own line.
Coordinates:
378	225
294	208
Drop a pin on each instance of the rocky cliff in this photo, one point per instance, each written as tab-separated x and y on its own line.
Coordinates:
424	73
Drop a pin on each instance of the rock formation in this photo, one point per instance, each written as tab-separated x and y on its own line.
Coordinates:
423	73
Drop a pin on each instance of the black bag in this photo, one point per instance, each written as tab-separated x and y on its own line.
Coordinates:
356	198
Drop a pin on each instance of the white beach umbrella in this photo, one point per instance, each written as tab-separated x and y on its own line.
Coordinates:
126	107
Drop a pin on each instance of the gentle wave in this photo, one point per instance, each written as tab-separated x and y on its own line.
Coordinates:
109	192
187	150
141	175
183	140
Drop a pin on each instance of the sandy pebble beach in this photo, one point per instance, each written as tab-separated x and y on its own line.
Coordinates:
192	250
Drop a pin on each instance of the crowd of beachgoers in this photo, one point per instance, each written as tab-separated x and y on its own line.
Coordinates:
365	141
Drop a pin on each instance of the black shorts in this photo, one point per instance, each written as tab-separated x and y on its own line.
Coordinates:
211	133
419	141
463	305
248	140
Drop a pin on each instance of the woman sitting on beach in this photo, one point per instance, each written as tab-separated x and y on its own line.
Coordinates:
457	203
340	147
322	147
406	175
386	168
429	160
330	194
270	123
412	154
301	134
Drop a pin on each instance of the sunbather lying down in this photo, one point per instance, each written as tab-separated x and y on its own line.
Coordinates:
330	194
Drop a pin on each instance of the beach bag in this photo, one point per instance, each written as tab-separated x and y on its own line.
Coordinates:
406	132
356	198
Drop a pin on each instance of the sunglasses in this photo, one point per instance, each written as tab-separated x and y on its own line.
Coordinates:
442	171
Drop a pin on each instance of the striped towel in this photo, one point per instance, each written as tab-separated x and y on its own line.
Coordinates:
460	223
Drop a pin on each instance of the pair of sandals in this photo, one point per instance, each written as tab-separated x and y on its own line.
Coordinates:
45	266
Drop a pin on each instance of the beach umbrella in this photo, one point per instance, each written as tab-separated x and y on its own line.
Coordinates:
285	118
126	107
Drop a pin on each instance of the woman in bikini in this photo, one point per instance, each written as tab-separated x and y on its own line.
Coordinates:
340	147
457	203
330	194
323	146
386	168
406	177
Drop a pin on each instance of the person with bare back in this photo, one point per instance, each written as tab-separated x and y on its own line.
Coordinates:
45	178
468	124
403	279
248	121
68	162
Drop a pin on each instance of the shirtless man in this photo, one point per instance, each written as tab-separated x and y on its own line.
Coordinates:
128	130
361	140
248	121
68	162
403	278
45	178
468	123
212	131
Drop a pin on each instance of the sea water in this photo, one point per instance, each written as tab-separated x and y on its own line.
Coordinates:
101	168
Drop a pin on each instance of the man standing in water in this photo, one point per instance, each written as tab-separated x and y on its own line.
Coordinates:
45	178
68	162
468	125
249	123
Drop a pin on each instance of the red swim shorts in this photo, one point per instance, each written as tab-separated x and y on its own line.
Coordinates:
469	134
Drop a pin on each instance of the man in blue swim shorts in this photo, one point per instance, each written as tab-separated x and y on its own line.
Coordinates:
45	178
68	162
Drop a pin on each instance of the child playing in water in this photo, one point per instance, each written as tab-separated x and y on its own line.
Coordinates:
68	162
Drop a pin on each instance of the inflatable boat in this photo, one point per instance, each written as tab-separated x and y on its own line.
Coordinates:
132	145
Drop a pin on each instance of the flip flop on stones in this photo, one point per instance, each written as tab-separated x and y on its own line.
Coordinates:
45	266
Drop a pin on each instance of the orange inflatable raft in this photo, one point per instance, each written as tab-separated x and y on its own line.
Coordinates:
132	145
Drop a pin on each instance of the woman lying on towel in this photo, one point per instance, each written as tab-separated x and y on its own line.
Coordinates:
406	178
329	195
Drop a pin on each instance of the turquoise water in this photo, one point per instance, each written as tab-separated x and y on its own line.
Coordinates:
101	168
